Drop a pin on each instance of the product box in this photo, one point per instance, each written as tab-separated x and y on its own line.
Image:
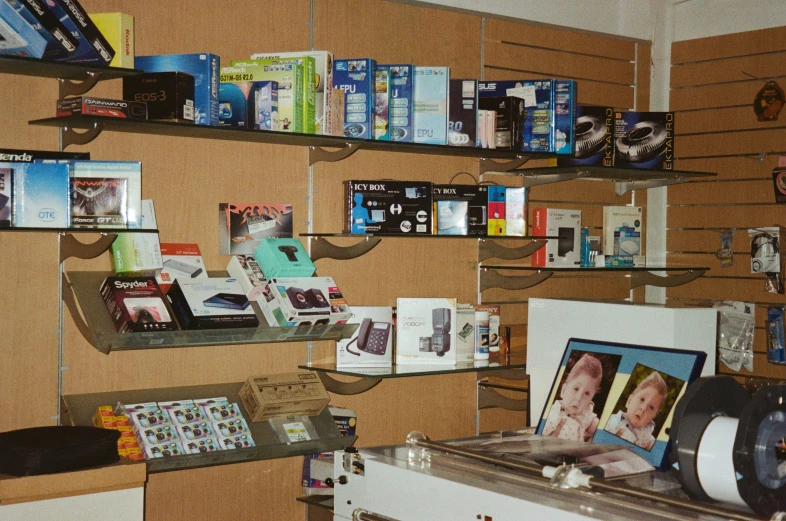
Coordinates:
388	207
288	75
623	227
20	36
323	78
180	261
137	254
242	226
594	136
131	171
169	95
237	441
318	467
465	332
425	332
537	133
564	116
248	104
308	91
463	113
511	115
304	301
284	258
564	252
382	104
204	67
201	445
99	202
300	394
497	210
494	326
164	450
12	155
460	209
59	43
92	48
212	303
401	101
644	140
516	211
431	105
356	79
136	304
41	194
87	106
371	345
118	29
249	274
337	106
6	196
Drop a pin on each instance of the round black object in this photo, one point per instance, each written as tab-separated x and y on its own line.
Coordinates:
45	450
590	135
705	399
644	141
761	485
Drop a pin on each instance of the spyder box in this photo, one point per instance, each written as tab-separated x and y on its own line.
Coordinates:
392	207
86	106
460	209
644	140
212	303
169	95
136	304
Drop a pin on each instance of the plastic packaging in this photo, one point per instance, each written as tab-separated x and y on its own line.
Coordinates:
736	322
481	335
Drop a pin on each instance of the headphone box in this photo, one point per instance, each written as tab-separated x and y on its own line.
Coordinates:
371	345
169	95
285	394
136	304
594	135
388	207
565	251
426	331
211	303
644	140
303	301
284	257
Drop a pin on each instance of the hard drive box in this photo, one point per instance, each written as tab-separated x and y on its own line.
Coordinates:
463	113
356	79
212	303
136	304
594	134
180	260
284	257
87	106
460	209
388	207
401	101
169	95
564	252
431	105
644	140
304	301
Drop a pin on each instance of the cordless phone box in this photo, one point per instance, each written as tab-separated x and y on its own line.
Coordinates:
388	207
180	261
371	345
284	257
425	332
304	301
564	252
136	304
211	303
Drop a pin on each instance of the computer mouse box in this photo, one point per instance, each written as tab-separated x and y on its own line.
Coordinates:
296	301
211	303
388	207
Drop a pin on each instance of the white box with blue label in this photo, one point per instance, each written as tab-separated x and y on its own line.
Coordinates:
204	67
401	101
431	105
41	194
538	132
356	78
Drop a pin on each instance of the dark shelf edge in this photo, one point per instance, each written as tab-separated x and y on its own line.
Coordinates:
60	70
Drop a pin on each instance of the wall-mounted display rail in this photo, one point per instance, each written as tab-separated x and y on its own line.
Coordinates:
78	409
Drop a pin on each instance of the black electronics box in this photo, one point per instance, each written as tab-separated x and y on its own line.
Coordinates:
28	156
388	207
137	304
463	113
114	108
644	140
212	303
511	115
97	202
594	131
476	199
169	95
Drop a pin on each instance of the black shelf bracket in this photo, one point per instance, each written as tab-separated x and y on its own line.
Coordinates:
488	249
623	187
489	397
321	248
647	278
347	388
70	247
490	165
317	154
77	88
492	279
72	137
73	308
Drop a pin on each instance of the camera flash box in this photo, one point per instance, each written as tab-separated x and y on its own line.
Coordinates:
425	331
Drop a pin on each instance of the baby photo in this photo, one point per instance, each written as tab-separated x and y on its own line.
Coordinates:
643	406
581	396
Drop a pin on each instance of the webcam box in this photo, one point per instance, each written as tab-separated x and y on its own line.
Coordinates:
511	114
169	95
460	209
136	304
431	105
622	230
371	345
212	303
594	135
40	194
356	79
247	271
644	140
564	115
284	257
204	67
308	79
388	207
401	101
288	75
463	113
180	260
286	394
111	108
537	131
304	301
564	252
425	331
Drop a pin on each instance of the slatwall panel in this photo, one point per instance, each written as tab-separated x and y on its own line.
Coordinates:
714	81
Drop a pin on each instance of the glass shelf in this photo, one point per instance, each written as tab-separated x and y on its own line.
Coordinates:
62	70
398	371
78	409
104	231
98	329
424	236
317	500
599	270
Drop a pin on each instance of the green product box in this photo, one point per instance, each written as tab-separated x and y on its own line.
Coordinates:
289	75
310	81
137	254
284	257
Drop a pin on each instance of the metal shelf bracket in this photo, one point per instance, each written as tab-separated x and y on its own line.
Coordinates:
623	187
488	249
72	137
70	247
77	88
73	309
347	388
647	278
318	154
492	279
489	165
321	248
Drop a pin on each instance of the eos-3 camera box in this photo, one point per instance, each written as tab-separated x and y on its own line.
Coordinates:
425	332
356	79
644	140
169	95
388	207
304	301
594	134
136	304
460	209
564	252
211	303
300	394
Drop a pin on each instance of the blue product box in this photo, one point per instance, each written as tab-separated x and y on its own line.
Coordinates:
248	104
401	102
92	48
593	127
19	36
59	43
537	133
382	104
644	140
776	335
356	78
204	67
283	257
41	194
431	105
564	115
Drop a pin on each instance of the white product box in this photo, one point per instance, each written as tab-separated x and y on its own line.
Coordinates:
372	344
465	332
431	105
516	211
302	301
425	332
180	261
616	217
249	274
494	321
564	252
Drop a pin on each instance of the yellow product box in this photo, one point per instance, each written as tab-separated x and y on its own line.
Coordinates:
118	29
300	393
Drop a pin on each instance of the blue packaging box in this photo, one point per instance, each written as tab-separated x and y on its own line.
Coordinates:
356	78
564	115
644	140
538	133
594	132
431	105
248	104
19	37
204	67
776	335
131	171
401	102
41	194
382	104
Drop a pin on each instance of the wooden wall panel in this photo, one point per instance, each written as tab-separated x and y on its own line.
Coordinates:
728	46
722	120
770	65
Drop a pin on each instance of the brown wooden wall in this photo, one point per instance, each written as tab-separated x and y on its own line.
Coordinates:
713	85
187	178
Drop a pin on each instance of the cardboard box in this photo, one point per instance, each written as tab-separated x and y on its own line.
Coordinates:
356	79
169	95
284	394
564	252
494	321
118	29
463	113
401	101
282	257
304	301
249	274
389	207
212	303
337	113
371	345
309	79
111	108
564	116
644	140
537	135
594	133
137	254
41	194
497	210
248	104
431	105
180	260
465	332
288	75
623	228
425	331
136	304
